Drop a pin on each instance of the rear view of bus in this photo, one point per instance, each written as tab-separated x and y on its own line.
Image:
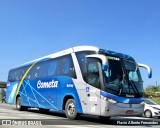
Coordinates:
80	80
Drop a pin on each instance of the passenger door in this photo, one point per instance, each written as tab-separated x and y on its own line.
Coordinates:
93	86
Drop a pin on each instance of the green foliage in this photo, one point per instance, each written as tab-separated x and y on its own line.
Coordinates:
152	91
2	93
157	100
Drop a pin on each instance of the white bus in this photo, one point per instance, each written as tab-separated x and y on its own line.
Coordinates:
79	80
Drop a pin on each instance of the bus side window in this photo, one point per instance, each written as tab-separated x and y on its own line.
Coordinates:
20	74
16	75
38	72
66	67
24	70
50	68
69	69
11	76
61	66
82	60
93	74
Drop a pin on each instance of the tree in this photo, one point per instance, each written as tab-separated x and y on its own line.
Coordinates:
152	91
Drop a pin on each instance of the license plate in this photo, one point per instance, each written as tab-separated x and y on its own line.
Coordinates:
129	112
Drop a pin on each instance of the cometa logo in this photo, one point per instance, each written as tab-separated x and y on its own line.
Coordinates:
51	84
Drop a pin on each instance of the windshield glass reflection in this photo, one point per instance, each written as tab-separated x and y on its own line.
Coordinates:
123	78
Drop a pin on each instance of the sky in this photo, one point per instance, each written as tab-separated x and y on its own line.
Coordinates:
30	29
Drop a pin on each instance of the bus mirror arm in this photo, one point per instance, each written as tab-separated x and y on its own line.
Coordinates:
148	69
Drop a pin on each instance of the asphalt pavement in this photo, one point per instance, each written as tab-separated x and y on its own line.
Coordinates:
10	117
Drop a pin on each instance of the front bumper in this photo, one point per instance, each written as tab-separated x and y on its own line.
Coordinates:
121	109
156	113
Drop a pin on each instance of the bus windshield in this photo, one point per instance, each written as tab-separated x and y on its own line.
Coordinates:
123	78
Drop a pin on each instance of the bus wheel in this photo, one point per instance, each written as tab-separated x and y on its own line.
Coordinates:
19	106
148	114
70	109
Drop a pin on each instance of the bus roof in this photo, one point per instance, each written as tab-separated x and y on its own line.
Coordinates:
76	49
61	53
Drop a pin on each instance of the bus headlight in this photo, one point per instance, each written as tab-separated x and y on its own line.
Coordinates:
108	99
112	101
103	98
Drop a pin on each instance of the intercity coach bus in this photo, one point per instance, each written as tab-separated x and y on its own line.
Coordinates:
79	80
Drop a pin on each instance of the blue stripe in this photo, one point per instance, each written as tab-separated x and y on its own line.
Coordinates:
122	99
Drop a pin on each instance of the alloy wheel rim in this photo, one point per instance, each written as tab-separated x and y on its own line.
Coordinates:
71	109
18	104
148	114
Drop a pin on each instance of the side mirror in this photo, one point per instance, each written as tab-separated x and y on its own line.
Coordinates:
148	69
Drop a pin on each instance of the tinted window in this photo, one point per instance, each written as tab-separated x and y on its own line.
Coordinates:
29	75
82	60
149	102
10	76
93	74
36	71
65	66
17	74
133	76
50	68
61	66
115	70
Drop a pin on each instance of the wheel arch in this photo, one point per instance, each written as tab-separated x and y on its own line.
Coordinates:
77	101
16	98
148	110
67	97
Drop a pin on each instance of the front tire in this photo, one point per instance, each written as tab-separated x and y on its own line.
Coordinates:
70	109
148	114
19	106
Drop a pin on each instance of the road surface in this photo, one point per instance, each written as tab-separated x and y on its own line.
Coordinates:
9	115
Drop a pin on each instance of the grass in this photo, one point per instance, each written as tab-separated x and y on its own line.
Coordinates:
157	100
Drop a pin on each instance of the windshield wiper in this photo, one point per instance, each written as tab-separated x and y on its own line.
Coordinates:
130	83
122	83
